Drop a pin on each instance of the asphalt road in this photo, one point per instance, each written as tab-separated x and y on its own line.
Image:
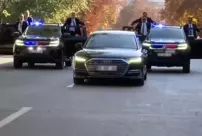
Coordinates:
45	102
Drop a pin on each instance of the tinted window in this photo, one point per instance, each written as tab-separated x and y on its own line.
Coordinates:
166	33
111	41
45	31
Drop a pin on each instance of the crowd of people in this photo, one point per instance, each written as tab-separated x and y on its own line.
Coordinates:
23	21
144	24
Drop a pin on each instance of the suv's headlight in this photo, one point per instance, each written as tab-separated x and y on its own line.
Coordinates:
19	42
146	44
79	59
135	60
54	43
182	46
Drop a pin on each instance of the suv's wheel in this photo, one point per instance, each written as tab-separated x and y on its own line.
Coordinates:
149	67
17	63
78	81
145	76
68	63
30	64
186	68
60	63
141	82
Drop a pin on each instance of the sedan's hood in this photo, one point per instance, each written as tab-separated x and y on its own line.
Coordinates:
31	37
166	40
112	53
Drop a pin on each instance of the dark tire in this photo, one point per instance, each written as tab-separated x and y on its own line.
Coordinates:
68	63
141	82
149	67
17	63
186	68
60	63
145	76
30	64
78	81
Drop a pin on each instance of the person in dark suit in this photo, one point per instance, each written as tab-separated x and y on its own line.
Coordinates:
21	24
191	29
143	28
72	25
144	15
28	17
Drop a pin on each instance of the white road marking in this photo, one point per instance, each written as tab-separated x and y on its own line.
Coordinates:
70	86
14	116
5	60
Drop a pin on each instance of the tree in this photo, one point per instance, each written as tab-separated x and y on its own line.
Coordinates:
133	10
177	11
102	14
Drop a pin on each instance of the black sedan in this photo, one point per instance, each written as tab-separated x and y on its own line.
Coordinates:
110	55
40	43
167	46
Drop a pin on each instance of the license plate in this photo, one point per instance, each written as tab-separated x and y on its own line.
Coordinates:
106	68
36	51
164	54
170	51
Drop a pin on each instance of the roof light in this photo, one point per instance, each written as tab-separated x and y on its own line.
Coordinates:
159	25
36	23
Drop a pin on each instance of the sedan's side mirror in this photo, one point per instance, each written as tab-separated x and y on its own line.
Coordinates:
79	46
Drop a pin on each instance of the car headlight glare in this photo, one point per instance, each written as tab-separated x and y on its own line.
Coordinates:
182	46
146	44
135	60
54	43
79	59
19	43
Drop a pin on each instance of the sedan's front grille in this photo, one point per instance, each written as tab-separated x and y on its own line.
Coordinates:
119	64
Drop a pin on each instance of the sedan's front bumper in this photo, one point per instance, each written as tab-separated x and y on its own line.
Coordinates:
48	55
129	74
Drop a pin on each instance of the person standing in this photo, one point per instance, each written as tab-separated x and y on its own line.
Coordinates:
21	24
143	28
144	15
191	29
72	25
28	17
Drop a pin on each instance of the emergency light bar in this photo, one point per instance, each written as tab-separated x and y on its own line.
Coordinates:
159	26
37	23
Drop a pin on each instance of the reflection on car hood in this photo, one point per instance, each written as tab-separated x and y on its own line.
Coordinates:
31	37
166	40
112	53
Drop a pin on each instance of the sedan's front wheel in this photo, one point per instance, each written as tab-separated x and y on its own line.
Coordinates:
78	81
17	63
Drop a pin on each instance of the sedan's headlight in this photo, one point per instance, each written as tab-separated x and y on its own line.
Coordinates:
146	44
182	46
135	60
19	42
54	43
79	59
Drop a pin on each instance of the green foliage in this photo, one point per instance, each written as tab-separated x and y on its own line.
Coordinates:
50	10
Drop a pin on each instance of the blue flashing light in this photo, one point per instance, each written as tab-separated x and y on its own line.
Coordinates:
159	25
30	43
37	23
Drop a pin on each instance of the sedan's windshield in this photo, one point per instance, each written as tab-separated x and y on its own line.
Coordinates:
167	33
45	31
111	41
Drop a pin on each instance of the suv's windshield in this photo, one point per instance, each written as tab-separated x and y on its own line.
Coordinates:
168	33
111	41
45	31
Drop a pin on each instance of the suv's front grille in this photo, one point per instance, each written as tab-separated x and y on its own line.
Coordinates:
93	64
